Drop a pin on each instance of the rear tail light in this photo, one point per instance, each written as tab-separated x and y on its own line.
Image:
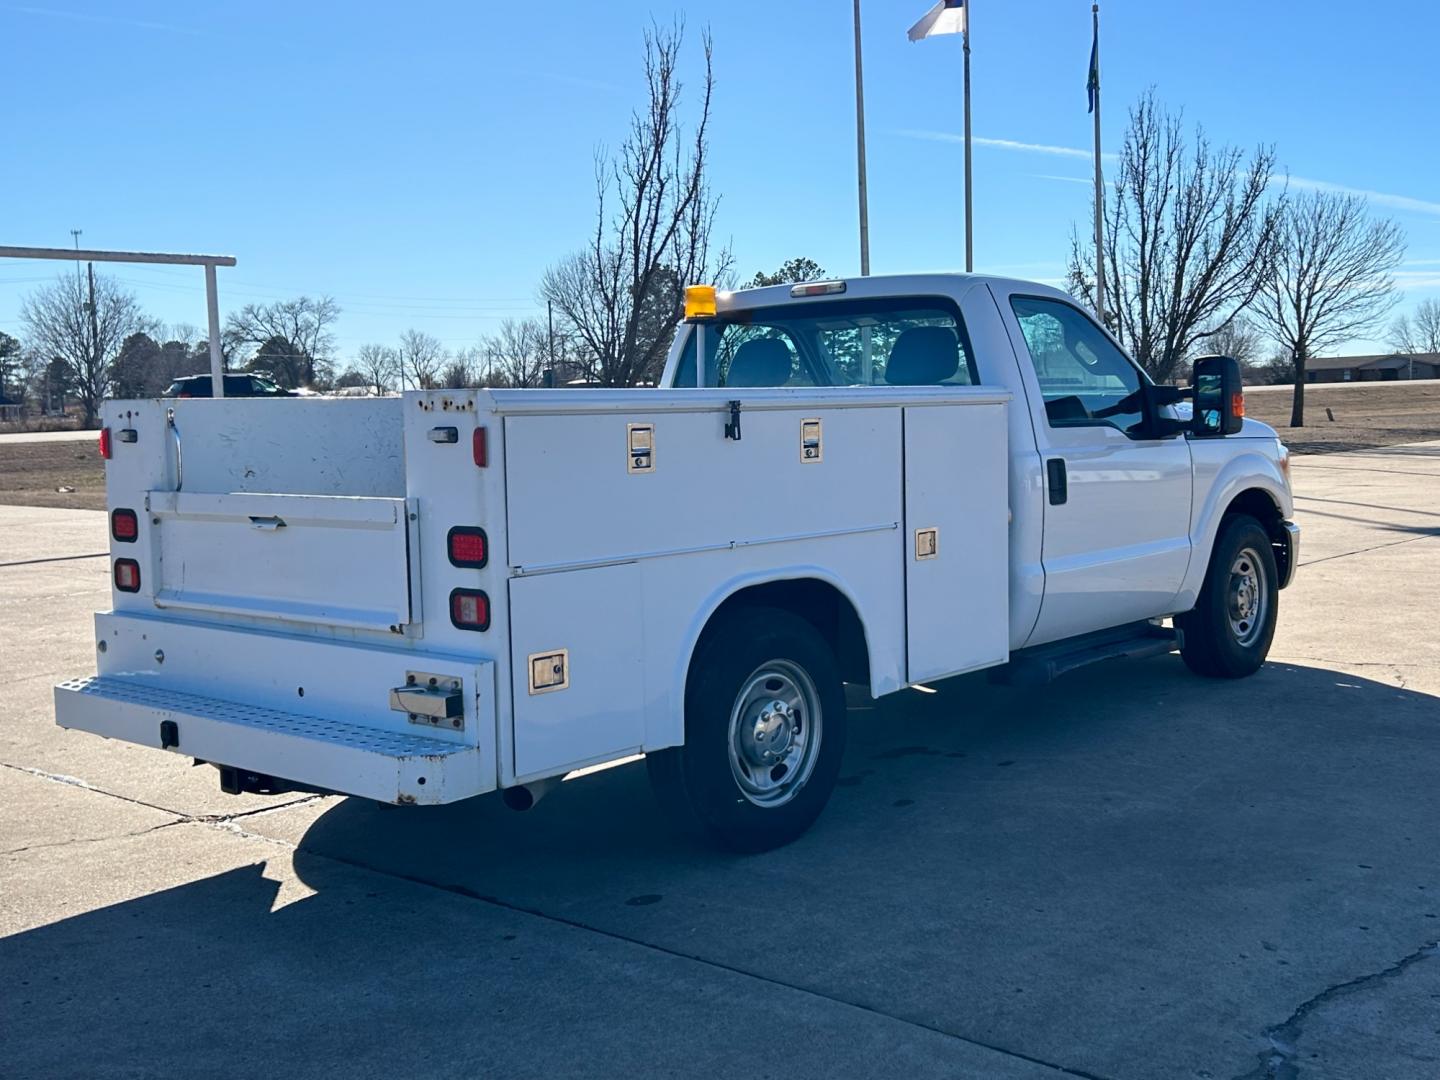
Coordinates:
468	547
479	448
105	448
470	609
127	575
124	526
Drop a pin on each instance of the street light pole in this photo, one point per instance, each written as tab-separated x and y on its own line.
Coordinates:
860	150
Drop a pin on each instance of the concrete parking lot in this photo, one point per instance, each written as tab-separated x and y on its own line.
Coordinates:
1131	873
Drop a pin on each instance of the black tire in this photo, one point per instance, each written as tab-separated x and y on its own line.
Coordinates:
1220	642
697	783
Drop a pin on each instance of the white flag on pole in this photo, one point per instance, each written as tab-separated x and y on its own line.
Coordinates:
946	17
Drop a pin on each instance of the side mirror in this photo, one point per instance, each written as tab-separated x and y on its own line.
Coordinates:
1219	397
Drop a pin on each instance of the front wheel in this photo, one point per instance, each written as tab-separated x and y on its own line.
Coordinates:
1228	633
764	733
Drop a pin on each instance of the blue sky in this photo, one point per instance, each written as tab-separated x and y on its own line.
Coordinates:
424	162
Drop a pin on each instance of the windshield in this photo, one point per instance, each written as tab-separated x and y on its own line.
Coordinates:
908	341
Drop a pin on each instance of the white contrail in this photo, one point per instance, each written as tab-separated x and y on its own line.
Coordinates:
1380	198
1000	144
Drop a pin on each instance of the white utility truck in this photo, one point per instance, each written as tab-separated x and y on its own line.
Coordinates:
883	481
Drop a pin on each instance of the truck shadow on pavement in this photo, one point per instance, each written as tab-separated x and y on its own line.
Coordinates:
1132	872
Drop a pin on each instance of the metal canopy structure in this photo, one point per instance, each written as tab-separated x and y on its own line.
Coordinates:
209	262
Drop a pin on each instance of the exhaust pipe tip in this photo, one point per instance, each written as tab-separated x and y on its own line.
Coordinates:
524	796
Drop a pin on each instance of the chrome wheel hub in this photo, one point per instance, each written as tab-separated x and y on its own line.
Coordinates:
775	727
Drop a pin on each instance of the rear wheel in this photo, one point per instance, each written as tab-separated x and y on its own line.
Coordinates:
764	733
1228	633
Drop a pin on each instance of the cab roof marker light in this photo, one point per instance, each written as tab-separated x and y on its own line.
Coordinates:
699	302
817	288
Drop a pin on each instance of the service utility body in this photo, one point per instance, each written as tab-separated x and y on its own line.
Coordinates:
881	481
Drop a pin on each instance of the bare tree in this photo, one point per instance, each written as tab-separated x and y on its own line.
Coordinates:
1420	332
518	354
293	339
421	357
1329	280
60	326
461	370
620	297
1238	338
380	364
10	350
1188	234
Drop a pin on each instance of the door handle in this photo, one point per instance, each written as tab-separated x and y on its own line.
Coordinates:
1057	481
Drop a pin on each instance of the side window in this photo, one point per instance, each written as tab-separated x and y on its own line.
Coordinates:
1084	379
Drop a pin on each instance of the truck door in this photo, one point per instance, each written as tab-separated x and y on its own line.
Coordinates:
1117	509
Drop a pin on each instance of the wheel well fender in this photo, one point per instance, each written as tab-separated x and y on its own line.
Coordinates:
1248	484
810	592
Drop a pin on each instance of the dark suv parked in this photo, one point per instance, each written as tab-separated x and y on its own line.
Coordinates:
235	386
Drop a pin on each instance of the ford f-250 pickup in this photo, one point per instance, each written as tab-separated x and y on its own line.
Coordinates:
882	481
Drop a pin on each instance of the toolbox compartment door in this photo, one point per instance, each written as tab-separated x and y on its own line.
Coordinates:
956	546
319	559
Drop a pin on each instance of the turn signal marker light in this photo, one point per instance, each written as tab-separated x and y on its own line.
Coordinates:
470	609
127	575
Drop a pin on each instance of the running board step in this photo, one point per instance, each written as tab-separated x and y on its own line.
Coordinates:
1045	663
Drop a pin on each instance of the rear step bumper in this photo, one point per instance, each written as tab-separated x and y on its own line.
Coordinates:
309	751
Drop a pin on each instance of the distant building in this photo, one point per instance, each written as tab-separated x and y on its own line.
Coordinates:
1383	367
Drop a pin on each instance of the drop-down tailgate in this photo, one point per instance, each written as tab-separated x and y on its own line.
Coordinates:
320	559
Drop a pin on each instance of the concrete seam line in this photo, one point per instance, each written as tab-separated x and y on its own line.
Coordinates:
1362	551
471	894
180	816
54	558
1283	1036
75	781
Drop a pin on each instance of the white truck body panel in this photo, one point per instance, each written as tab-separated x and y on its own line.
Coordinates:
295	574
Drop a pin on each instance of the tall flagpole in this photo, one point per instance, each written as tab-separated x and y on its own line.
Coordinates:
1099	175
860	151
969	208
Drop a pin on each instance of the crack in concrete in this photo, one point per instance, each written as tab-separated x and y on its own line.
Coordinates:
89	839
1279	1062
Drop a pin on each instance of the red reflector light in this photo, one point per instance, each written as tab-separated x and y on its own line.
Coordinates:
479	447
105	449
124	526
1237	404
470	609
127	575
467	546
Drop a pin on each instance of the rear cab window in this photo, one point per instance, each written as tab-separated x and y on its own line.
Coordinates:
905	341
